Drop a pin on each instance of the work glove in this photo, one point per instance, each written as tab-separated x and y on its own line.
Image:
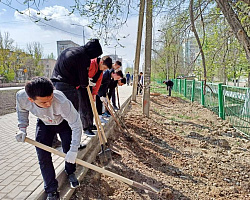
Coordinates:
21	135
71	157
91	83
104	99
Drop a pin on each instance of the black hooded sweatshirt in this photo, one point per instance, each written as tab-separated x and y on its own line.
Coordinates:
73	63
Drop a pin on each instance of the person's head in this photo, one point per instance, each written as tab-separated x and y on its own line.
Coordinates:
40	91
93	48
117	75
128	72
105	63
117	65
141	73
122	81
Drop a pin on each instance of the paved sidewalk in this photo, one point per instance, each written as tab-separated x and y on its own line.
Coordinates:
20	176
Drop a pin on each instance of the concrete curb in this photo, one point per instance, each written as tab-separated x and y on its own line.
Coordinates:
88	154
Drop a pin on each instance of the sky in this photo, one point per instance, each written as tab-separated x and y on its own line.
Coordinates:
23	30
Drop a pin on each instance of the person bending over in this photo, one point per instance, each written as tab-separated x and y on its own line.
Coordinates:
55	114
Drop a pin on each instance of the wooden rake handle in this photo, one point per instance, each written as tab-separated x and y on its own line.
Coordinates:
93	167
113	115
97	120
118	99
109	104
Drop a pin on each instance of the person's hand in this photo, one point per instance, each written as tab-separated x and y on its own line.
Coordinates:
91	83
21	135
71	157
104	99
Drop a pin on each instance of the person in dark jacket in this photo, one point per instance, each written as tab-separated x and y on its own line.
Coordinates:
96	69
70	74
108	76
116	66
111	89
128	78
170	85
140	83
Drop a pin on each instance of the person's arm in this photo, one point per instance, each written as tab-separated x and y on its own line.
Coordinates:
97	86
105	83
70	114
22	114
22	117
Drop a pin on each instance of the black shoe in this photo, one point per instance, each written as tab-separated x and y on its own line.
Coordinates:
89	133
82	146
115	107
74	183
93	127
53	196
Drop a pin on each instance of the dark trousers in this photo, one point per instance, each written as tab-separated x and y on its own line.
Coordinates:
45	135
70	92
169	88
98	105
139	88
113	97
80	100
85	109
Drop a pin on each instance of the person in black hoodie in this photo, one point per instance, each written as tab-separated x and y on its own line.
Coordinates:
70	74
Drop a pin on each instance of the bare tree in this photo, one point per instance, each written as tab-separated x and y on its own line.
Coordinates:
35	50
148	47
237	28
138	49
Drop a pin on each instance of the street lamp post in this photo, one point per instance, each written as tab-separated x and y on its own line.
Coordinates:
83	35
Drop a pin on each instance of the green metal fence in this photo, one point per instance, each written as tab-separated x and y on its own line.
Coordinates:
228	102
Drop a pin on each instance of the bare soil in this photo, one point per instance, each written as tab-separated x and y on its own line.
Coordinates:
183	149
7	101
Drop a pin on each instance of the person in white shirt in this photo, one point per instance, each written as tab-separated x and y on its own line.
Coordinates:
56	114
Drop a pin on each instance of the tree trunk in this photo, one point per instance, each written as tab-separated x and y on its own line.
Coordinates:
198	41
138	49
237	28
148	47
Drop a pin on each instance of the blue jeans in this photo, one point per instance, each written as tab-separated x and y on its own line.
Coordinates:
45	135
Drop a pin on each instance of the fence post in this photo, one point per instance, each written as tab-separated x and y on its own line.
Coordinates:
221	102
180	86
202	94
193	90
185	88
174	84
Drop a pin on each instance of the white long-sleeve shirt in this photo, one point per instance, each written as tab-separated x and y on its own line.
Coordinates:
61	108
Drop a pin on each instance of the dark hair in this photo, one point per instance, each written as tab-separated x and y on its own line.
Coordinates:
107	61
39	87
118	62
119	73
123	80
